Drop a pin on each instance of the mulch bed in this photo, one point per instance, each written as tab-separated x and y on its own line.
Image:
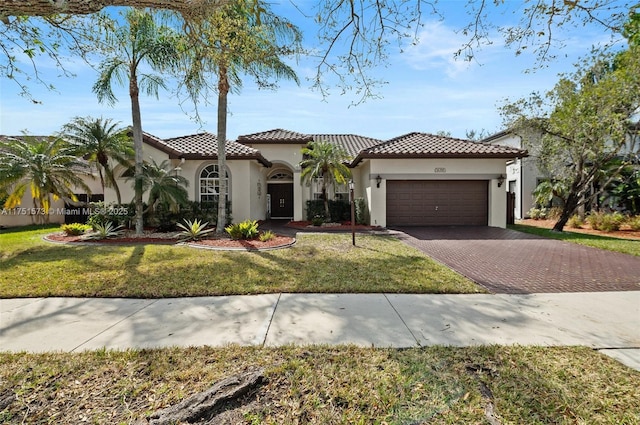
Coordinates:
625	232
217	241
250	244
345	226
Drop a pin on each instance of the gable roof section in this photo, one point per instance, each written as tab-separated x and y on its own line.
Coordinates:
203	146
276	136
424	145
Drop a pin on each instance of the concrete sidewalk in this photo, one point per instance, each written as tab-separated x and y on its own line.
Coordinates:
607	321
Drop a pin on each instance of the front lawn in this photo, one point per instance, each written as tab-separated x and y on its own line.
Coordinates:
625	246
328	385
32	267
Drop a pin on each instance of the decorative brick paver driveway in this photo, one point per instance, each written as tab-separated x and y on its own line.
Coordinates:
506	261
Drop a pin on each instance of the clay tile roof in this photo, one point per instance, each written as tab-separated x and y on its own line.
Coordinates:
352	143
424	145
276	136
203	146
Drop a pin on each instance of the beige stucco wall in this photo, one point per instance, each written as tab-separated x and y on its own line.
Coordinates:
25	214
436	169
257	191
243	179
287	156
523	172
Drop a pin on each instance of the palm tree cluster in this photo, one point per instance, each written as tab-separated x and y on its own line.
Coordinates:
140	48
48	167
55	167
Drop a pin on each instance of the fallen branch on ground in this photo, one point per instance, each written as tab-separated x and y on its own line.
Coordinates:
207	404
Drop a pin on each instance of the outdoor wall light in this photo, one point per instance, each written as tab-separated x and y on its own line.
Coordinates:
378	180
500	180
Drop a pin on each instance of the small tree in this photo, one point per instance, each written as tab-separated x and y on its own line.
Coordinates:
164	185
582	126
100	141
326	161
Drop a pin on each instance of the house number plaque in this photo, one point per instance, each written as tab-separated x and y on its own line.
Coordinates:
439	170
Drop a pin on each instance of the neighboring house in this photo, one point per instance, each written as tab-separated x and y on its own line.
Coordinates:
414	179
522	174
26	214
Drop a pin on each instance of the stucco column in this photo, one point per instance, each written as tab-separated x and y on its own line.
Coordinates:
497	204
378	202
298	199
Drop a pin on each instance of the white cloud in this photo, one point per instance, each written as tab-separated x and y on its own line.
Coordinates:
435	50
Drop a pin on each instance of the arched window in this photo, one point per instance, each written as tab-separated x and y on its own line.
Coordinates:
210	184
281	175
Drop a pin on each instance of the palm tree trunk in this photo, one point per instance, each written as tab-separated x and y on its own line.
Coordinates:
223	90
137	144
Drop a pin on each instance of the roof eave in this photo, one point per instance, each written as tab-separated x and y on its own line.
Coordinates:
363	156
273	142
195	156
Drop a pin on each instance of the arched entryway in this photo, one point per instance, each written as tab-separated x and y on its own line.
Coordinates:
280	194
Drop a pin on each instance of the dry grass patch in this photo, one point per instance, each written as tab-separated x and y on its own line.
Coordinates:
317	263
328	385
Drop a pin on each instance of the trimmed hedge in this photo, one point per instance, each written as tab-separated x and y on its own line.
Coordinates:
339	210
163	218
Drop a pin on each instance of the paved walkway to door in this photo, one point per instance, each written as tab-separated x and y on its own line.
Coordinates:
510	262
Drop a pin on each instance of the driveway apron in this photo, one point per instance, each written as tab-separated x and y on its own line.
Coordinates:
510	262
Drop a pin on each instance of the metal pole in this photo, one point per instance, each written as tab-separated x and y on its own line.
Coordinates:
353	214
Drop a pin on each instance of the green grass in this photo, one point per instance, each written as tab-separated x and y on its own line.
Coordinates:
32	267
625	246
329	385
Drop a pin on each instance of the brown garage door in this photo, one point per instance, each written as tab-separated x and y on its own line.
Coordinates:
437	203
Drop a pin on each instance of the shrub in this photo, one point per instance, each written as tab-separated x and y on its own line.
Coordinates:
634	223
74	229
538	213
266	236
605	222
339	210
317	220
612	222
362	212
553	213
594	219
194	230
165	220
105	230
102	213
247	229
575	222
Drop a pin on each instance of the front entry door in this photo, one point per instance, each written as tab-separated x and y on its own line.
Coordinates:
281	196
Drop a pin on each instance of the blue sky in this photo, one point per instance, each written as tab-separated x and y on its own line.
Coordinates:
427	89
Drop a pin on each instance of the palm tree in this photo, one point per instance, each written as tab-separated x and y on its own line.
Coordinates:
140	41
325	161
47	167
164	185
100	142
237	39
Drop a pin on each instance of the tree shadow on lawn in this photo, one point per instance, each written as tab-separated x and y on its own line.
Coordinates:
149	271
